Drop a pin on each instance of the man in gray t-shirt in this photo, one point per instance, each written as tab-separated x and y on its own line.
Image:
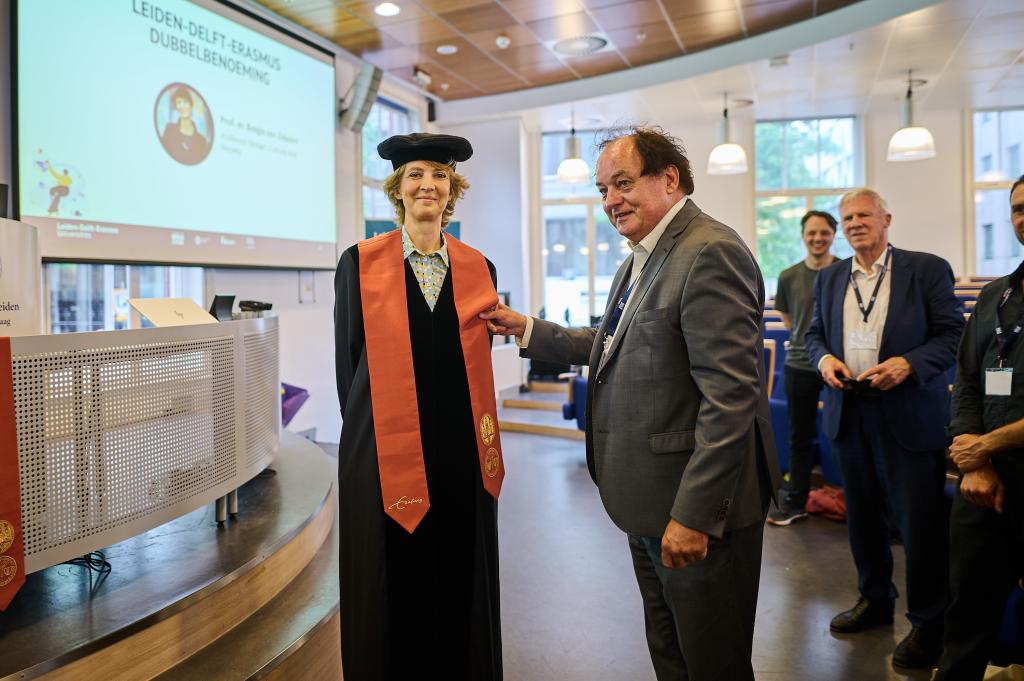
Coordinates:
795	300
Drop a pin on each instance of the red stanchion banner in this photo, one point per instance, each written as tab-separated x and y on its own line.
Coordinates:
12	546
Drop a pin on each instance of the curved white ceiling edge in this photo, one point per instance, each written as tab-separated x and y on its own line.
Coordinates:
831	25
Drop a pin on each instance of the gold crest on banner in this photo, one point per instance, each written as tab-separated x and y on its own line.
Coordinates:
492	462
6	535
487	429
8	570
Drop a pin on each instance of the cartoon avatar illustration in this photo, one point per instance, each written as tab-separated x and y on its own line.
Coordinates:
59	190
187	139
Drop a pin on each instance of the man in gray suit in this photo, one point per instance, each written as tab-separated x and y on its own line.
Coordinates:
678	434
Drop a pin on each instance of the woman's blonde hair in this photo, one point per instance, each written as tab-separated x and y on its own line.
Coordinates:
393	189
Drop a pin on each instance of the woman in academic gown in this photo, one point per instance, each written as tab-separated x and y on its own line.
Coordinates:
419	465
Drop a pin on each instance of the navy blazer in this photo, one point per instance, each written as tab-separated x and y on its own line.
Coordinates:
923	325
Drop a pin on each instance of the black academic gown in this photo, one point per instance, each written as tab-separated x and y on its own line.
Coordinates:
420	605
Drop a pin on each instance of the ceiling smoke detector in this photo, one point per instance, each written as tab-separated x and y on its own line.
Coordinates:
503	41
580	45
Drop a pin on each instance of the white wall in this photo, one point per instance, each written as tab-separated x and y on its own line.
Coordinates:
493	214
926	198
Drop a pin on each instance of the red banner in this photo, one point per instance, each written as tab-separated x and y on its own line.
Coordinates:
12	547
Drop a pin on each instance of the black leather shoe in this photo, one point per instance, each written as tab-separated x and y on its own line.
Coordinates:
864	615
920	648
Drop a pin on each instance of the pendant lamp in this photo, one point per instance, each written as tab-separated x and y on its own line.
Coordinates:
728	158
911	142
573	169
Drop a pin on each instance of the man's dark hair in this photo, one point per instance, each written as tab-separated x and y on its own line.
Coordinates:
657	149
827	217
1019	182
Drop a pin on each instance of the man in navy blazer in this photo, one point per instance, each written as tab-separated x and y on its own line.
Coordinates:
884	333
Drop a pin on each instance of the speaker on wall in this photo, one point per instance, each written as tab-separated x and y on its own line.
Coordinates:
431	110
364	93
3	200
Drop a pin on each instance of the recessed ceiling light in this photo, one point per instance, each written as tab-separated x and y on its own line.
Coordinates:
502	41
580	45
445	86
387	9
447	49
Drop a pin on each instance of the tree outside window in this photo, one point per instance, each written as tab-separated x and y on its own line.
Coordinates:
800	165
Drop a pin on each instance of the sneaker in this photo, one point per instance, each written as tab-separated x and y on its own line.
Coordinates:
786	516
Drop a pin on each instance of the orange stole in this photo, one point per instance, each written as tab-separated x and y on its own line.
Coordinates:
12	547
396	419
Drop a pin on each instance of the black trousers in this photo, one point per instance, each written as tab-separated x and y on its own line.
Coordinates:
986	552
883	483
700	618
803	390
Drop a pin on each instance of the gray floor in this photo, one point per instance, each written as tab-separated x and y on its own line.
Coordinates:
571	609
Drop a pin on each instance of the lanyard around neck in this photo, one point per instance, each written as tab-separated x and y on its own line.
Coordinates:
865	311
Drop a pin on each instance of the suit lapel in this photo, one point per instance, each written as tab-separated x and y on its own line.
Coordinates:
842	282
654	264
899	293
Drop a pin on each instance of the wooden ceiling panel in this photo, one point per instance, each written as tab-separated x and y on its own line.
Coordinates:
701	31
364	10
442	6
517	33
481	18
565	26
533	10
637	36
691	8
596	64
518	57
371	40
650	52
636	29
420	31
765	17
628	14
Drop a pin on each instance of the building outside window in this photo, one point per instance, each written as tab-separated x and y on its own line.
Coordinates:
94	297
385	119
582	250
800	165
997	137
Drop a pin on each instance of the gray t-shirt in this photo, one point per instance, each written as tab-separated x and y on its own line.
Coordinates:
795	297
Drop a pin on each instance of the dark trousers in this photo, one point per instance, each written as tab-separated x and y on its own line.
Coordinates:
884	482
700	618
985	562
803	391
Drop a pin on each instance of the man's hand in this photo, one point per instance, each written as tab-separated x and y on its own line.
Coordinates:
983	487
970	452
502	320
681	546
888	374
831	369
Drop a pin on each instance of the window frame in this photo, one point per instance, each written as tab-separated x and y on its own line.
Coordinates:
973	186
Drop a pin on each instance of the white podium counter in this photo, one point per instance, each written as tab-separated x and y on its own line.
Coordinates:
122	431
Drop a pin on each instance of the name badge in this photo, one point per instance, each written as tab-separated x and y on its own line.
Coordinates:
862	340
999	381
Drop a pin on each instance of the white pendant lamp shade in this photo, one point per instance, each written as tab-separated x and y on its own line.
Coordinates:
911	142
728	158
573	169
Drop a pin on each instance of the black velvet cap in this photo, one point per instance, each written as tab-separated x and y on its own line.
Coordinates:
423	146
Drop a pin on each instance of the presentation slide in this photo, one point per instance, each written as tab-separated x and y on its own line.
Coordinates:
173	131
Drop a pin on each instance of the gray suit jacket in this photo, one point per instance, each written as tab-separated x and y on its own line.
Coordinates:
677	412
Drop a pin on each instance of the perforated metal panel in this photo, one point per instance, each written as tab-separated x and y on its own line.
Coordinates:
137	429
262	396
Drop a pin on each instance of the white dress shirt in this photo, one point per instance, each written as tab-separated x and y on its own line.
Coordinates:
859	360
641	252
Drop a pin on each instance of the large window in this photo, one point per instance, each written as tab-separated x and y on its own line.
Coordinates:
582	250
997	139
385	119
87	297
801	165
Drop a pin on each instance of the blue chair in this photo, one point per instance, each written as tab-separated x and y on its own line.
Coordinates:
576	407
